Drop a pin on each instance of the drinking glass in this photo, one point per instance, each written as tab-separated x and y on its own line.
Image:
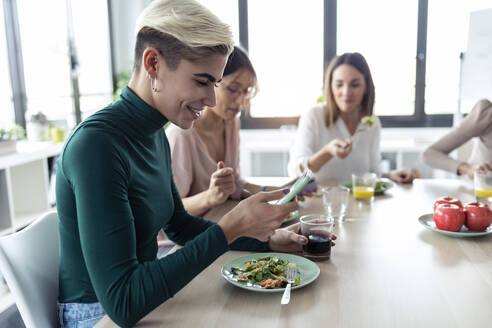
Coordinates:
482	181
335	200
317	228
363	186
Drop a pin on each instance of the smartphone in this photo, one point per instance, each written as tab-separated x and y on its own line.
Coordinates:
296	187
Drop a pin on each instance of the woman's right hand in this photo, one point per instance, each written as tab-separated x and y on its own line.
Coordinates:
222	184
254	217
336	148
469	170
487	166
339	148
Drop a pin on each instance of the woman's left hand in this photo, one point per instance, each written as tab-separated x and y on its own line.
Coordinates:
402	176
288	240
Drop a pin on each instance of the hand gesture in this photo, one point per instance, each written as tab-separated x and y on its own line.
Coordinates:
469	169
290	240
307	191
402	176
487	166
222	184
339	148
256	218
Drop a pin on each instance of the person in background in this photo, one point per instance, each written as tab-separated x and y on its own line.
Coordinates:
478	124
331	139
206	157
115	188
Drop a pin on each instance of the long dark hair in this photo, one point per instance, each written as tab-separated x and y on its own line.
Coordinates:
237	60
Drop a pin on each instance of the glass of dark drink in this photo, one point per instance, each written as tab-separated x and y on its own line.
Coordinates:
318	229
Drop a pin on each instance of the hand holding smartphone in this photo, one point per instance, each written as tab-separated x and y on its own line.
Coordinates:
296	187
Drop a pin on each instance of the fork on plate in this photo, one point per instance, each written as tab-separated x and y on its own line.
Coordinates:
291	275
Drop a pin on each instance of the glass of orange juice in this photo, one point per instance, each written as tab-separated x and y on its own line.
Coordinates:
363	186
482	181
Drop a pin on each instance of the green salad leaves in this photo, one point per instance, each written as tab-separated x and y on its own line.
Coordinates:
267	272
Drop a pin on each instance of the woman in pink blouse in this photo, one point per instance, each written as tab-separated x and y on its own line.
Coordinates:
205	158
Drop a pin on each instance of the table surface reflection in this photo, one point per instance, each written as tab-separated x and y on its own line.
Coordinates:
386	270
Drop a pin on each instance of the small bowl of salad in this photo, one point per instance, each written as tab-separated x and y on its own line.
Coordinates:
381	185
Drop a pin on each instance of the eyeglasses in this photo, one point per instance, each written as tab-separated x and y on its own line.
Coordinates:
236	92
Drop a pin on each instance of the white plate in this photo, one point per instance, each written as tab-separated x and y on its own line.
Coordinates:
427	220
308	270
292	216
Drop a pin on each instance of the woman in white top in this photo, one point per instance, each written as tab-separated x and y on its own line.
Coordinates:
331	140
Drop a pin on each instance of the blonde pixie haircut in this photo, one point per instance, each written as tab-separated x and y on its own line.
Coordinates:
181	29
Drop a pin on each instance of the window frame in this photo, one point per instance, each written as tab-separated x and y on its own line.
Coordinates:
419	117
16	63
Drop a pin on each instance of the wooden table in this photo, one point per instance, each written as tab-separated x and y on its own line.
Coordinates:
386	270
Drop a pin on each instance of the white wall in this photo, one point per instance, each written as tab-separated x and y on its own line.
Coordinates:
266	152
124	14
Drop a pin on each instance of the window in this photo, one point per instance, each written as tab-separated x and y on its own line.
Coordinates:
447	37
287	53
289	42
91	34
6	105
227	11
45	57
388	42
413	53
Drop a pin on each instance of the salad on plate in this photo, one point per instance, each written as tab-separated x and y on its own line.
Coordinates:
267	272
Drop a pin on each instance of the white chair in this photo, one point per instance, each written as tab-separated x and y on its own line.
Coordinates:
29	263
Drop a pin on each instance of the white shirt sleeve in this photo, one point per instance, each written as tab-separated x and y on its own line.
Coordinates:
305	143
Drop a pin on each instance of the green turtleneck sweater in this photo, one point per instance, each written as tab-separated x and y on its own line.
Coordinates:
115	191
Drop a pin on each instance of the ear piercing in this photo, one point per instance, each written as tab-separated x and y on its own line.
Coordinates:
153	82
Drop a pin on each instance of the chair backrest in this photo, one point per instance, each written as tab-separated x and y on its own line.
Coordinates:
29	263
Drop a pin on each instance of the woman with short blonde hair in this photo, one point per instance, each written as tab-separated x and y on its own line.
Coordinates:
115	189
181	30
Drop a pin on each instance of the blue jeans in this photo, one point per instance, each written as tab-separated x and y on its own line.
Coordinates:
80	315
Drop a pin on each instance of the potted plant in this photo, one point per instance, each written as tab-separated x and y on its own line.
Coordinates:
37	126
9	137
